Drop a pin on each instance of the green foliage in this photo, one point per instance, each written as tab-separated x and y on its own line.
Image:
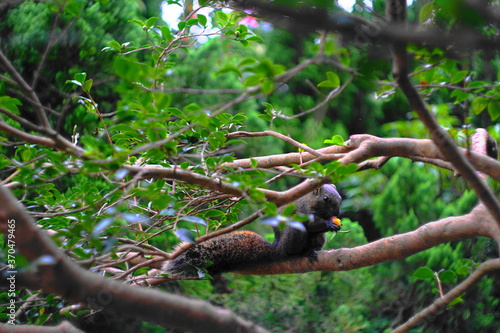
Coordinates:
130	90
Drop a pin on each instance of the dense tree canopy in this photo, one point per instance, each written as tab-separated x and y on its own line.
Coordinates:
122	136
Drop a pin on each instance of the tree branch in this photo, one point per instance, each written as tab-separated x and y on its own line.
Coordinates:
471	280
64	327
478	223
443	141
57	274
26	88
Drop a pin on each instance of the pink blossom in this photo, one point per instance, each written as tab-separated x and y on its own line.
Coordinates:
250	21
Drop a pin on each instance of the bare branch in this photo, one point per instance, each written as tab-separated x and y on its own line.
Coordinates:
64	327
361	31
23	136
287	139
26	88
483	269
25	123
53	39
328	98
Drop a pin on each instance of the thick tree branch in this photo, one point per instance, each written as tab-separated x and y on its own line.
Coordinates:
217	184
64	327
59	275
23	136
364	31
478	223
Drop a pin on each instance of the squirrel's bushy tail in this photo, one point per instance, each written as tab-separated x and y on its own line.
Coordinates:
220	254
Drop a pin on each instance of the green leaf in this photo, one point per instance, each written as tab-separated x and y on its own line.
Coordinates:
87	85
192	108
347	169
476	84
334	78
247	61
151	22
255	39
479	104
289	210
336	140
333	167
78	83
459	76
26	155
253	80
192	21
10	104
327	84
457	300
424	273
166	33
459	95
447	276
115	45
74	8
265	117
332	82
267	87
202	19
254	162
80	77
228	69
181	25
139	22
214	213
494	109
221	16
426	12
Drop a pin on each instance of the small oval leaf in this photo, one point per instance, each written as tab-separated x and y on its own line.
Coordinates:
447	276
194	219
185	235
135	218
101	226
167	212
297	225
424	273
120	174
273	221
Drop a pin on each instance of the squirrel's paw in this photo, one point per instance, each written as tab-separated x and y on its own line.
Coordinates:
334	224
312	256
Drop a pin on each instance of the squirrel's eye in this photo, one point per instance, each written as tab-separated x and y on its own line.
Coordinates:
326	198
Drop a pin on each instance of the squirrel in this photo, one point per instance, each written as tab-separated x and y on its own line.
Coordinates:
240	249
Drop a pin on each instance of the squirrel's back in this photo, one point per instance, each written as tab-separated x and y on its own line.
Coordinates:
241	249
227	252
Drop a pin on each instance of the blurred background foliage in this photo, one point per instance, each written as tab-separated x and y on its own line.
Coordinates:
396	199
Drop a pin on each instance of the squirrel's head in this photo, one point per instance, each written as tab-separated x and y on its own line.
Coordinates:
328	201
